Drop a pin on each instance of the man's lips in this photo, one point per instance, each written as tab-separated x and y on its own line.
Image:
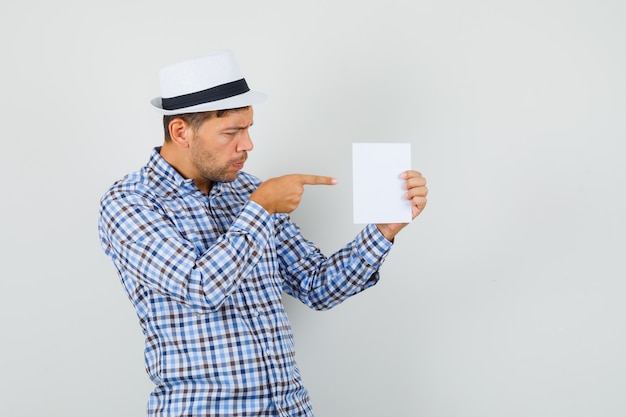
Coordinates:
239	164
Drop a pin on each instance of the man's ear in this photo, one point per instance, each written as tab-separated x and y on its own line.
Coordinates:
180	132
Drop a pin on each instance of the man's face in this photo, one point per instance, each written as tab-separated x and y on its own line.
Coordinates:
220	147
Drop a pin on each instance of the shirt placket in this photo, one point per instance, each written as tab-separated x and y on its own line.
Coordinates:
272	350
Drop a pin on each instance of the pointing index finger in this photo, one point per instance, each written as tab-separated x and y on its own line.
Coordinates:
317	180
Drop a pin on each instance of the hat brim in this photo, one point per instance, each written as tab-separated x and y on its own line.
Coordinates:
242	100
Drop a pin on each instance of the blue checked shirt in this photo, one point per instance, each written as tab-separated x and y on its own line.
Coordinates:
206	276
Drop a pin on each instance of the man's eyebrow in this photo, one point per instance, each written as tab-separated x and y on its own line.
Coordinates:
238	127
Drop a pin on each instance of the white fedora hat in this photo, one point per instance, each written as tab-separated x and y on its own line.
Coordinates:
213	82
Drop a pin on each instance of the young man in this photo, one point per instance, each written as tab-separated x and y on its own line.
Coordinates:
205	252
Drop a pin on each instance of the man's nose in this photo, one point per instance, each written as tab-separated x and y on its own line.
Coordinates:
245	142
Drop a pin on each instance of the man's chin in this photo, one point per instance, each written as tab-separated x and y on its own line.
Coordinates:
230	177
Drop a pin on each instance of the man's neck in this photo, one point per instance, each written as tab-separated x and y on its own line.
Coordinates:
180	163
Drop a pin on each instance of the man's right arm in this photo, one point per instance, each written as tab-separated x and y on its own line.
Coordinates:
146	247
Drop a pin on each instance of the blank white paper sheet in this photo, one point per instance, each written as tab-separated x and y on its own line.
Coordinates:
378	193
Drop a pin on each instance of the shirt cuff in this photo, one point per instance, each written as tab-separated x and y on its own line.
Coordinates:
373	246
254	221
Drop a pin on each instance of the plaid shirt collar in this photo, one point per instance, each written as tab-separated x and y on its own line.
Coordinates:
163	169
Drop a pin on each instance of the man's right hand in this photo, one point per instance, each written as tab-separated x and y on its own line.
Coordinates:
283	194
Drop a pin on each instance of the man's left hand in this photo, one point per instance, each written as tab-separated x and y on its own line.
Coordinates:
415	184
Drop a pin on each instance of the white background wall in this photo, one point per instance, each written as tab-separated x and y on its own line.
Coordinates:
506	298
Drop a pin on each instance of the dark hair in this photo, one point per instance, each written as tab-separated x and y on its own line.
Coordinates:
195	120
